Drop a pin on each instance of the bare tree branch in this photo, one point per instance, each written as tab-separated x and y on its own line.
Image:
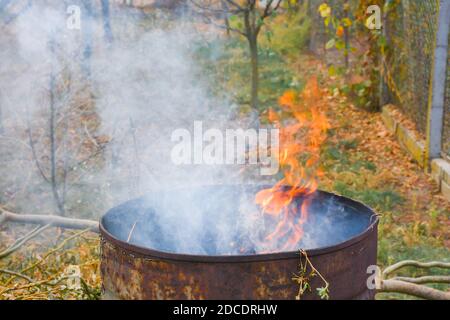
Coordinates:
16	274
413	290
233	3
268	11
417	264
424	279
415	286
40	261
215	10
224	27
54	221
21	241
34	153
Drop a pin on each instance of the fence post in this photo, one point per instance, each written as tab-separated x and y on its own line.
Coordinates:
383	90
438	81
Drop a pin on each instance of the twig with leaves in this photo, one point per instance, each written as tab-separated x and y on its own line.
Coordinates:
306	272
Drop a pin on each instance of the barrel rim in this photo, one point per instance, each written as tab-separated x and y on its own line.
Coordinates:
162	255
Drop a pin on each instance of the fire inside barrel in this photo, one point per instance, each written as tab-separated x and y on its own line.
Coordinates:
299	156
186	245
246	242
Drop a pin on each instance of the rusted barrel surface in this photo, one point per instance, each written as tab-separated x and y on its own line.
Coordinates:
133	272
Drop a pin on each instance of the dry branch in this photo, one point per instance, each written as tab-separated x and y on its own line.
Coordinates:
425	279
40	261
54	221
417	264
415	286
48	282
16	274
20	242
413	290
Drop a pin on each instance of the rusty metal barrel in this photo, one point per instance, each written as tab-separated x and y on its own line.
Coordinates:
133	271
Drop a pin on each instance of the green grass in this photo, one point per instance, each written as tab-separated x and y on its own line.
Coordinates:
337	158
384	200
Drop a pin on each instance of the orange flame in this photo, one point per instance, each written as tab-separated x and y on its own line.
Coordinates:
299	155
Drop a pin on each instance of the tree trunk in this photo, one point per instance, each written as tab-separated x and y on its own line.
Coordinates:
1	115
87	38
227	25
383	89
52	133
226	17
347	47
255	70
347	39
106	21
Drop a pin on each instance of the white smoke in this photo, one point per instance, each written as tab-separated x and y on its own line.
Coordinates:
114	113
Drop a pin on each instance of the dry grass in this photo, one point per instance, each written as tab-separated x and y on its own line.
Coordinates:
46	263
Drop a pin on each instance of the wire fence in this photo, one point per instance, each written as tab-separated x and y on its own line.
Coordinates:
446	133
410	30
411	33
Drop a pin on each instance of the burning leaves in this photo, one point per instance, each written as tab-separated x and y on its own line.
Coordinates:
302	131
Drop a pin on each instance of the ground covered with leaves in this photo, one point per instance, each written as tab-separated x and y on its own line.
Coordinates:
362	160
